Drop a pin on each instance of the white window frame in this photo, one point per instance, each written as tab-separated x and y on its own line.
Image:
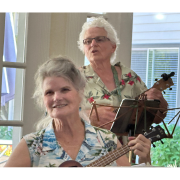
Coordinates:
17	124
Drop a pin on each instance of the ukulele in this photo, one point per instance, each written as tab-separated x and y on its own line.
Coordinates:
161	85
155	134
164	83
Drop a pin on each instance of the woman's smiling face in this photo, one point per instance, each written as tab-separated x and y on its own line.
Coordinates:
60	97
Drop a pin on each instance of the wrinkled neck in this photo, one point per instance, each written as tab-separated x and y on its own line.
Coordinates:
101	69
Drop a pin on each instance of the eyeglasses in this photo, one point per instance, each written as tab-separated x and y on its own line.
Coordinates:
98	39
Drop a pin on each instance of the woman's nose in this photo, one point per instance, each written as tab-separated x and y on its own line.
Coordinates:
57	96
93	42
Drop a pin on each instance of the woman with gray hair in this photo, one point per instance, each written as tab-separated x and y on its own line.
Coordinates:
106	83
63	135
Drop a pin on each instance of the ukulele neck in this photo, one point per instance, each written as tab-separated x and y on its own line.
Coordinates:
160	85
110	157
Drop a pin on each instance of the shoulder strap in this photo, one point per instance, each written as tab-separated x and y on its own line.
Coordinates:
115	74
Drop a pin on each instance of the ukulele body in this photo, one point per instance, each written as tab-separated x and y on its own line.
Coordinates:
70	163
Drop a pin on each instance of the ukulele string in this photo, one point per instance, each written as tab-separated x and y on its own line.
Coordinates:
107	159
119	153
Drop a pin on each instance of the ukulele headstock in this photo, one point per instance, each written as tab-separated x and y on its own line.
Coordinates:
165	82
155	134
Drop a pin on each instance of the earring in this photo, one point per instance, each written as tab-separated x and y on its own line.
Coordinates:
45	114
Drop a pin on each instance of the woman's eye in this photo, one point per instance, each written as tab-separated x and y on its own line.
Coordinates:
99	39
88	42
65	89
48	92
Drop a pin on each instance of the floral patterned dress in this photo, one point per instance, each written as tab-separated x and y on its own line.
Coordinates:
131	86
45	151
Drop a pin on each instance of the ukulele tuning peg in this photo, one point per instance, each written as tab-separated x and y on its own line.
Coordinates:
170	88
144	132
162	142
154	145
164	92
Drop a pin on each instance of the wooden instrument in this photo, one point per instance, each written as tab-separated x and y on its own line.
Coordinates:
164	83
155	134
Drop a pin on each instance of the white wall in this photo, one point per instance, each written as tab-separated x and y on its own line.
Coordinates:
65	29
52	34
148	29
122	22
37	52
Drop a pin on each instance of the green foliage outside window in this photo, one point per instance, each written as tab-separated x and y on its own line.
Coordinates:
6	133
169	152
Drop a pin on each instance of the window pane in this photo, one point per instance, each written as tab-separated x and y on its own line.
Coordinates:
8	136
86	62
159	61
14	37
164	61
138	62
11	94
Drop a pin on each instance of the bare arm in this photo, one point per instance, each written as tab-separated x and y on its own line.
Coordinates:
20	156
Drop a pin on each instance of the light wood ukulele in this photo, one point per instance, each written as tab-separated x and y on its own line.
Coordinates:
164	83
155	134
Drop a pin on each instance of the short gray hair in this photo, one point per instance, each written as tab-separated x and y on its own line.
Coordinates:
60	66
102	23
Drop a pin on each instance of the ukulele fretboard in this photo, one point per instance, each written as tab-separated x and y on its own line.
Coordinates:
110	157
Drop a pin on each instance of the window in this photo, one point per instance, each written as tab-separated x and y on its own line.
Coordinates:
155	50
151	63
13	68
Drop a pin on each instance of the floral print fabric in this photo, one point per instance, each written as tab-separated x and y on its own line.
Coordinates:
46	152
131	86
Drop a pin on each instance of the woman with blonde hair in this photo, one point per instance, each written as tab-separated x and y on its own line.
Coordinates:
63	135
